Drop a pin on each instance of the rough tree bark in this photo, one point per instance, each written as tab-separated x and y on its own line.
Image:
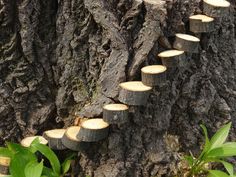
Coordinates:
67	57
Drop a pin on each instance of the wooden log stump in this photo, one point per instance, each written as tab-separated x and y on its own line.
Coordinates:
153	75
201	24
134	93
186	43
173	58
26	142
4	165
215	8
115	113
93	130
70	140
54	138
79	120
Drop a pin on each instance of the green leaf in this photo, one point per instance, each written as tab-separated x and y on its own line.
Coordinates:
14	148
18	162
207	141
35	141
17	166
48	172
190	160
226	150
229	144
229	167
66	166
67	163
50	155
34	169
4	152
220	136
217	173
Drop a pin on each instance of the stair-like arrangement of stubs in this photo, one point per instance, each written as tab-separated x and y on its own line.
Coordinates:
135	93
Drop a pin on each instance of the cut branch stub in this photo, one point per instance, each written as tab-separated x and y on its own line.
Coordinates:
153	75
134	93
69	138
115	113
173	58
186	43
93	130
26	142
54	138
215	8
4	165
201	24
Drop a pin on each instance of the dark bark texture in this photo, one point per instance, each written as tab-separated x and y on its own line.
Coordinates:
61	58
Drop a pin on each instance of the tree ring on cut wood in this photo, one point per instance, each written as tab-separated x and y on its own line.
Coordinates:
134	93
115	113
153	75
93	130
186	43
173	58
54	138
201	24
215	8
4	165
26	142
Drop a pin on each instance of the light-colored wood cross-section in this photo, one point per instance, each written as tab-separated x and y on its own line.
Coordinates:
201	23
94	124
216	8
54	138
202	18
217	3
153	69
70	140
153	75
115	113
135	86
134	93
173	58
5	161
93	130
186	43
187	37
26	142
170	53
116	107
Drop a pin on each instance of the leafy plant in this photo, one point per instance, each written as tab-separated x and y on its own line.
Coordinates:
24	161
217	173
215	149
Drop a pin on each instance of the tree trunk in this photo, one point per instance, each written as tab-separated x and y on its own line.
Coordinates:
64	58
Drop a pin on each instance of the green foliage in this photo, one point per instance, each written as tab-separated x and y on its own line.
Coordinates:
34	168
50	155
67	163
215	149
24	161
217	173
